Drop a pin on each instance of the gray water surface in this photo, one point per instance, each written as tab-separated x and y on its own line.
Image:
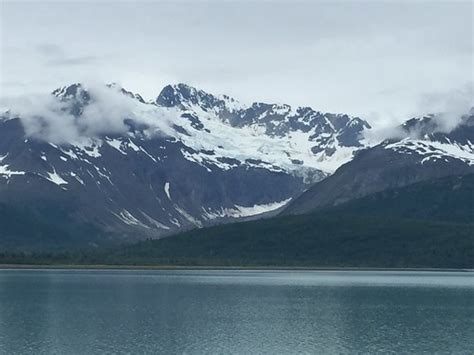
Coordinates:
241	312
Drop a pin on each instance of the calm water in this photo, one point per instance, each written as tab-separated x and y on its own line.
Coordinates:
198	312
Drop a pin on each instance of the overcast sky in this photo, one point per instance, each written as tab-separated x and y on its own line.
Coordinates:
383	60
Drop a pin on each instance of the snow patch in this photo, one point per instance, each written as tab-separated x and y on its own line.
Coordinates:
155	222
167	190
244	211
133	146
434	150
5	171
117	144
55	178
75	176
126	217
149	155
188	216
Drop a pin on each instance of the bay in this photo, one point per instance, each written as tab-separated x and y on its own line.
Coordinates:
235	312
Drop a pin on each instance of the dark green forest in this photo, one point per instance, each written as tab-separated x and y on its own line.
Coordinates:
428	224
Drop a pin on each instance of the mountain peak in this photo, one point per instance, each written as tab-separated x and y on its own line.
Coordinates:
75	94
75	90
183	95
168	96
80	93
124	91
437	124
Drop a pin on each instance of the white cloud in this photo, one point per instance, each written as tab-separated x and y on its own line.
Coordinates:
45	117
450	106
356	57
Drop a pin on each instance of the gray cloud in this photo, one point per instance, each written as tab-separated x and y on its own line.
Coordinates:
48	49
86	60
55	55
373	59
45	117
450	106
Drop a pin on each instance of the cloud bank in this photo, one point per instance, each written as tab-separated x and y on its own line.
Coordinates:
450	107
447	109
335	56
47	118
108	112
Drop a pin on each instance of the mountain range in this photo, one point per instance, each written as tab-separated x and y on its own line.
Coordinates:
422	154
98	166
94	166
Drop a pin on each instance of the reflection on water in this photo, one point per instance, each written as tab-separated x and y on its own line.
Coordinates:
274	312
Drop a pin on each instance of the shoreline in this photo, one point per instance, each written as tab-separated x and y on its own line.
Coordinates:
216	268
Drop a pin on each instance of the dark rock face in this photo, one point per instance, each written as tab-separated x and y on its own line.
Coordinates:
150	191
183	95
113	188
393	164
75	96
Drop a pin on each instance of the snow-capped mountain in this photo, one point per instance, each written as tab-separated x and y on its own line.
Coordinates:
286	136
106	161
423	152
428	143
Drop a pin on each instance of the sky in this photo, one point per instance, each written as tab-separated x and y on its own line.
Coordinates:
385	61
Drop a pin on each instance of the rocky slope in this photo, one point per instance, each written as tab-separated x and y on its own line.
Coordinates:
423	153
427	224
103	160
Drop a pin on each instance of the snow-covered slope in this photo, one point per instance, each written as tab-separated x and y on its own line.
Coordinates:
295	139
424	151
425	140
187	159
